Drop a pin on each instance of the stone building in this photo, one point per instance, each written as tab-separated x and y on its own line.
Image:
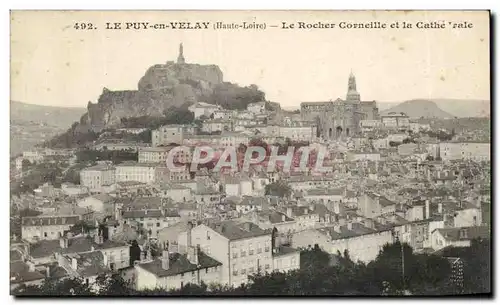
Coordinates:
340	117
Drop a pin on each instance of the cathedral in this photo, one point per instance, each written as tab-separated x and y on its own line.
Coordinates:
340	118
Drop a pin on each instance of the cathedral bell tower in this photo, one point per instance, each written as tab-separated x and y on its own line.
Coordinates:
352	93
180	58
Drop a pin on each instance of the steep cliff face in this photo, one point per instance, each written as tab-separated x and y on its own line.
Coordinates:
162	87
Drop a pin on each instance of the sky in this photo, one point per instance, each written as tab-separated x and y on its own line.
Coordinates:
54	64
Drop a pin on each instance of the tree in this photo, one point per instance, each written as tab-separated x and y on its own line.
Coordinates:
51	287
112	284
29	213
279	189
401	270
25	164
135	252
81	227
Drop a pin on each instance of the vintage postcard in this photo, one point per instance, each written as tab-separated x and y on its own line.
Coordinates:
250	153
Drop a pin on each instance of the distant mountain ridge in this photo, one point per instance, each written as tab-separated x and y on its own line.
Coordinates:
32	124
453	107
419	109
60	117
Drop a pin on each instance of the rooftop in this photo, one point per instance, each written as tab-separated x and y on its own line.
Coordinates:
234	231
467	233
50	220
20	273
79	244
284	250
357	229
179	264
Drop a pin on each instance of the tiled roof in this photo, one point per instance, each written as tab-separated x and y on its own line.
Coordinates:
91	263
235	231
325	191
274	216
103	197
49	220
383	201
356	230
254	201
454	234
322	210
284	250
19	273
143	214
99	167
15	255
179	264
47	248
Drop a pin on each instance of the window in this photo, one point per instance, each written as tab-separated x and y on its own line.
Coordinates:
192	273
267	266
235	255
243	253
243	271
235	272
157	224
206	270
267	249
44	234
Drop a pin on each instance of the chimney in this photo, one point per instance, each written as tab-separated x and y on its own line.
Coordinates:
188	234
368	223
105	259
336	228
165	260
74	263
63	242
192	255
47	272
31	266
349	226
427	209
247	226
328	234
440	208
289	212
283	218
92	249
463	233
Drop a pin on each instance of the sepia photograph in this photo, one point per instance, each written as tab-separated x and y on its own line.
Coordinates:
250	153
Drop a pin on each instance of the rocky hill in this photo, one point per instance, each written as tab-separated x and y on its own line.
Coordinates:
165	86
419	109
